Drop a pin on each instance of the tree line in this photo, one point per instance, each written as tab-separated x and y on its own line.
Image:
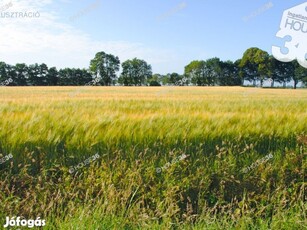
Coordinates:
255	66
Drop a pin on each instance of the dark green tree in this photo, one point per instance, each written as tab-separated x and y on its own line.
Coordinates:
11	74
21	76
229	74
204	73
3	72
66	77
212	69
175	78
52	77
195	71
255	65
300	74
135	72
37	74
281	72
42	74
104	66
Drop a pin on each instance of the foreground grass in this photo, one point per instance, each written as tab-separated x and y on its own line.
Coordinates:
136	131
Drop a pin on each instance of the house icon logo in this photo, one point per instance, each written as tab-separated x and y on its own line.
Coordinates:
293	29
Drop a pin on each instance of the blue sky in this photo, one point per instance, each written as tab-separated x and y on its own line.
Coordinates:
168	34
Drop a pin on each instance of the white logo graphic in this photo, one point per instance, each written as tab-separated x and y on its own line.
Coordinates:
23	222
293	24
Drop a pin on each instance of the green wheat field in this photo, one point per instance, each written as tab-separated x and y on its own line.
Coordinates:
154	157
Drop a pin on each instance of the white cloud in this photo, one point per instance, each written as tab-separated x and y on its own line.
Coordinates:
47	39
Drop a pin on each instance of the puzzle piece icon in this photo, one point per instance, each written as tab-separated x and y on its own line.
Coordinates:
293	24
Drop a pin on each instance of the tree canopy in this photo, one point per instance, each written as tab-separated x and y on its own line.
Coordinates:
104	66
135	72
256	65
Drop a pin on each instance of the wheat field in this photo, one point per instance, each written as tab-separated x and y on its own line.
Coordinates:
165	157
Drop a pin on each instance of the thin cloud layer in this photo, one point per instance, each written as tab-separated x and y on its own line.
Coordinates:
48	39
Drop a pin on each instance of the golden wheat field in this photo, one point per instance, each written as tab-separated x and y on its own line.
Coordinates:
166	157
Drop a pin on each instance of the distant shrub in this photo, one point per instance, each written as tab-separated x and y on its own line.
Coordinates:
154	83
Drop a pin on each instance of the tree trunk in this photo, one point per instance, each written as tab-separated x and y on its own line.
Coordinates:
295	83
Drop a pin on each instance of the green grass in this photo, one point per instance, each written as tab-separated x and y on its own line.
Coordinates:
135	130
